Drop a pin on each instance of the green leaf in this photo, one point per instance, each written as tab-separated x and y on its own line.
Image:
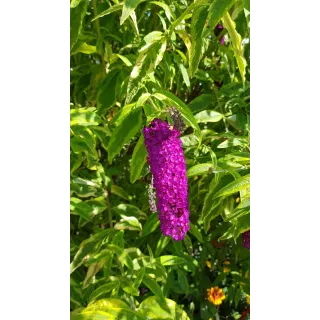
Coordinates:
183	281
93	269
129	287
108	11
188	244
119	192
170	260
123	133
84	141
128	223
139	277
102	290
199	17
211	205
93	315
139	158
106	96
242	209
84	117
155	308
151	225
186	12
201	102
122	255
168	11
149	57
125	60
208	116
128	8
133	22
236	41
196	233
86	49
161	244
88	247
235	186
153	286
128	210
116	307
216	11
88	209
74	3
237	297
232	142
200	169
185	75
77	14
122	113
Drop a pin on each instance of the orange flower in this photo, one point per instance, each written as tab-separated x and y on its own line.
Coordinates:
216	295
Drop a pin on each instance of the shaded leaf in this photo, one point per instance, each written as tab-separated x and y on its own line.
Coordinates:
208	116
124	132
139	158
198	21
102	290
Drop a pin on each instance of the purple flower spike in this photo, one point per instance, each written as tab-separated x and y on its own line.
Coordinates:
222	40
168	167
246	239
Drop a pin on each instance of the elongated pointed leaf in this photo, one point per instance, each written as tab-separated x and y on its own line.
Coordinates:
87	247
208	116
139	158
153	286
77	13
108	11
236	41
103	290
198	21
216	11
124	132
195	232
199	169
128	8
235	186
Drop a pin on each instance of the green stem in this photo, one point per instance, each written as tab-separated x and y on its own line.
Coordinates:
106	195
220	106
97	24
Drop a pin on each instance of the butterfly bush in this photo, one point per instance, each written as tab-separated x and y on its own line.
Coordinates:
246	239
168	167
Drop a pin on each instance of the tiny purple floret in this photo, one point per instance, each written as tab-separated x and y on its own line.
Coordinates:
168	167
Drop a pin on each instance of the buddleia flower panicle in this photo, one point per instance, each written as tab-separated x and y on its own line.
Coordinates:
168	168
246	239
176	118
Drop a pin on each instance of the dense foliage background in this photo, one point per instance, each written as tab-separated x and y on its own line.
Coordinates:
130	61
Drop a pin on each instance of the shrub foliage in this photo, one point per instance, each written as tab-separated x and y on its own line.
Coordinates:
131	61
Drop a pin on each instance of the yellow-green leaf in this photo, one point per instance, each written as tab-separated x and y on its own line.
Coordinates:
236	40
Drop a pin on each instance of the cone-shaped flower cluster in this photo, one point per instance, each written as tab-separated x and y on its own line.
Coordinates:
246	239
168	167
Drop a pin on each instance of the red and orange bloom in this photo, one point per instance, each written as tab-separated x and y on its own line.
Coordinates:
216	295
